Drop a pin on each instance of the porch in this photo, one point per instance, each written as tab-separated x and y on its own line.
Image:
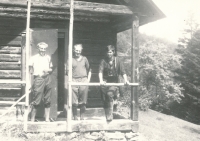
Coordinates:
94	121
96	24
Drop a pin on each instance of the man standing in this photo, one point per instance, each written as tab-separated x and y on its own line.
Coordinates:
80	73
40	67
109	70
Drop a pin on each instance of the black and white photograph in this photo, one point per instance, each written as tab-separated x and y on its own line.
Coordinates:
99	70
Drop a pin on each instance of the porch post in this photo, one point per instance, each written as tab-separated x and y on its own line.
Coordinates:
69	97
134	68
27	65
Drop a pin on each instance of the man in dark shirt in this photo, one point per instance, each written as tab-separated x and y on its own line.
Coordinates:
109	70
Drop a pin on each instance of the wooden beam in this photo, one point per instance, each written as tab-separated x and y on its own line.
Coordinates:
12	23
135	67
27	74
23	74
79	6
85	126
69	96
10	92
9	98
10	57
10	65
11	102
10	50
10	40
11	30
57	17
10	74
10	88
98	84
10	85
98	125
91	27
122	24
47	11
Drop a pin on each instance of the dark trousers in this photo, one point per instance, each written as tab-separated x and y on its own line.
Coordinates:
108	95
42	90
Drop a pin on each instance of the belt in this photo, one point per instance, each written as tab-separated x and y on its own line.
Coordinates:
42	76
79	77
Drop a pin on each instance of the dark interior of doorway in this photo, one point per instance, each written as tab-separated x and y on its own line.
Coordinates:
61	73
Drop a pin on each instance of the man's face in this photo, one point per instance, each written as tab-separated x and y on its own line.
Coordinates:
42	50
77	51
110	53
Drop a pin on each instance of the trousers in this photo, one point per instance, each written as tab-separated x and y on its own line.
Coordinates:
108	95
79	93
42	90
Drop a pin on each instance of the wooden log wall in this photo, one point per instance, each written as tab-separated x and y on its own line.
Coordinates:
10	58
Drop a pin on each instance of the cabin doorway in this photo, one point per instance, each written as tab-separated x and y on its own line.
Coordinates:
57	42
62	41
49	36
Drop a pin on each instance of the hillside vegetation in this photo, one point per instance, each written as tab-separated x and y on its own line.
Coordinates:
169	74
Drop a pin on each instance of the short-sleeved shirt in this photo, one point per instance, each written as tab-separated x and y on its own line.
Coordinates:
80	68
40	63
111	71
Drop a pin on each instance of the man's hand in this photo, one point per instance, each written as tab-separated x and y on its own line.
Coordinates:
127	83
47	70
102	82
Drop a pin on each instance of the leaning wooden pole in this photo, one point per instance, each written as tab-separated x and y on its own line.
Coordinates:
69	97
135	68
27	66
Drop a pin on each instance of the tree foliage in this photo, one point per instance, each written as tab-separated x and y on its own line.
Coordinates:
157	63
189	75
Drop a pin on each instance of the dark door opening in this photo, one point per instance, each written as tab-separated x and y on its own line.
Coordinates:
61	72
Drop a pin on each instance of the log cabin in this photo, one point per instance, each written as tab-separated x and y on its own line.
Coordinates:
96	24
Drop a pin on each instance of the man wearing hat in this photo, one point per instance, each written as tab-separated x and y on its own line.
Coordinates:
40	67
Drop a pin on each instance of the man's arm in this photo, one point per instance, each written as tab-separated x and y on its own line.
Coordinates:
101	79
89	75
101	68
126	82
123	72
31	63
31	70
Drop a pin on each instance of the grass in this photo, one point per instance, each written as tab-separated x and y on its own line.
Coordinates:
154	126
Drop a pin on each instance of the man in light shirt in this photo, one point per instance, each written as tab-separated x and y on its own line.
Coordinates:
40	67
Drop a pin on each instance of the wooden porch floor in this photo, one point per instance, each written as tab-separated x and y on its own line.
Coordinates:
94	121
84	126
